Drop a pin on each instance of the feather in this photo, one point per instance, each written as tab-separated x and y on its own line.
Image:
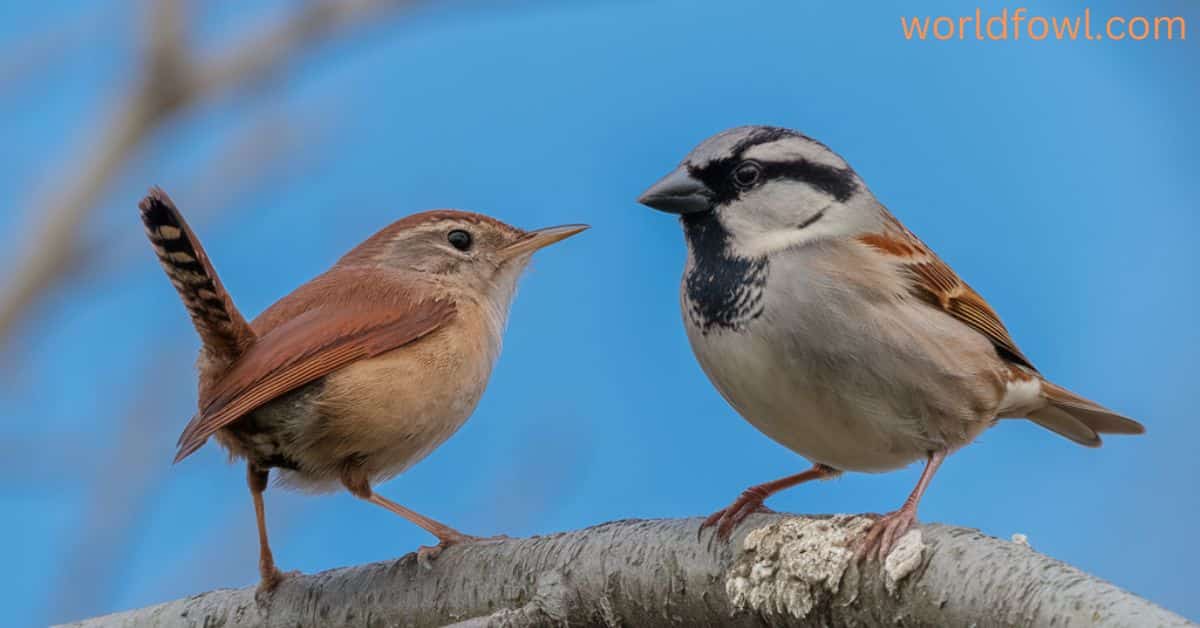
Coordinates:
222	328
934	282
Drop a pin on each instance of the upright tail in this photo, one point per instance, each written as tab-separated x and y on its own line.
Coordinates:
223	331
1079	419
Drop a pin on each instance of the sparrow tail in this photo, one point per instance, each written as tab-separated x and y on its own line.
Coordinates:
222	329
1079	419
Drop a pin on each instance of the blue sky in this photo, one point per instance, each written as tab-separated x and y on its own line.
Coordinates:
1057	177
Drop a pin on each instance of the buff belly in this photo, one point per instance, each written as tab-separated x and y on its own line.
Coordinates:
378	416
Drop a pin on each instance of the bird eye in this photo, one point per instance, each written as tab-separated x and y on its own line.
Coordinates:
459	239
747	173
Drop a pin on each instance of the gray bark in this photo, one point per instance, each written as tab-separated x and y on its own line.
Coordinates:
778	570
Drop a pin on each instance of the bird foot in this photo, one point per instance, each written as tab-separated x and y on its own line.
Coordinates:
426	554
883	535
269	582
728	518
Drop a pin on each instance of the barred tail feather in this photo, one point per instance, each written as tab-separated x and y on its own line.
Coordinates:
1079	419
223	331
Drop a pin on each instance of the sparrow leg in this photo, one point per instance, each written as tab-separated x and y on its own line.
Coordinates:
446	535
269	574
751	500
888	529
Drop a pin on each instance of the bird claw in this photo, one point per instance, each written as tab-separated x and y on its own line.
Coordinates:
426	554
269	582
883	535
729	518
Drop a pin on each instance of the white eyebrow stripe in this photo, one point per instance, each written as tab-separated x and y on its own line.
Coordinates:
794	149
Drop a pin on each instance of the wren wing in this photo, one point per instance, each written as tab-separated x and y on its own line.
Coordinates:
305	348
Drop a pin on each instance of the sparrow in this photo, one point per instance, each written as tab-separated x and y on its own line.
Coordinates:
835	331
361	372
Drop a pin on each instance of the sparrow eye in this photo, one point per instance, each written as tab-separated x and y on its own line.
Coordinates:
747	174
459	239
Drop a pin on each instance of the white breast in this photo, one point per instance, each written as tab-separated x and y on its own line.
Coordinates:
802	412
848	382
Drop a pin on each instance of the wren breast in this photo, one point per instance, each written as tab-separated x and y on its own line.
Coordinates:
380	415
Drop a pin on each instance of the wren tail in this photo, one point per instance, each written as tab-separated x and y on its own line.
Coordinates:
1079	419
223	331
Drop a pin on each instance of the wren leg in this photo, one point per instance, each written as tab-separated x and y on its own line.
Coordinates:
443	532
359	486
270	576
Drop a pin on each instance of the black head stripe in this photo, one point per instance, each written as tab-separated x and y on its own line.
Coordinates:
839	183
836	182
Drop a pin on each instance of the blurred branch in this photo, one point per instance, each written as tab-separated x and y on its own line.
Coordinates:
169	83
779	570
219	555
274	146
253	158
122	482
294	35
169	80
26	456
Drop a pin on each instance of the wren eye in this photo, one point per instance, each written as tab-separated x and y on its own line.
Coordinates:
459	239
747	174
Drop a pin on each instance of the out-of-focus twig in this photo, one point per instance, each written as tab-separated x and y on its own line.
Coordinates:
228	551
253	158
266	52
170	82
25	456
122	482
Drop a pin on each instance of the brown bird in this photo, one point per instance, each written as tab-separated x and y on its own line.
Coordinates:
359	373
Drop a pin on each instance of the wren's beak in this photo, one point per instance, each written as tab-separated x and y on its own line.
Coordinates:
678	193
539	238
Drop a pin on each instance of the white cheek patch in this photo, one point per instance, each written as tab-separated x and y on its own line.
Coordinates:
784	202
784	214
770	218
769	243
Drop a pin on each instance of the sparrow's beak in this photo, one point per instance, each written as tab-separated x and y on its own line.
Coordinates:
539	238
678	193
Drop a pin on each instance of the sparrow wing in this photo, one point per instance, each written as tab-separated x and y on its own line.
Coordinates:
934	282
308	346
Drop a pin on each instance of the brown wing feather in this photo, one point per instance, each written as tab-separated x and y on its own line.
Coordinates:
934	282
304	349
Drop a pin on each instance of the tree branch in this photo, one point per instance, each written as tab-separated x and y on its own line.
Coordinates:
270	49
778	570
170	82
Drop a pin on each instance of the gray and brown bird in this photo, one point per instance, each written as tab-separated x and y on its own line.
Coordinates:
835	331
361	372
